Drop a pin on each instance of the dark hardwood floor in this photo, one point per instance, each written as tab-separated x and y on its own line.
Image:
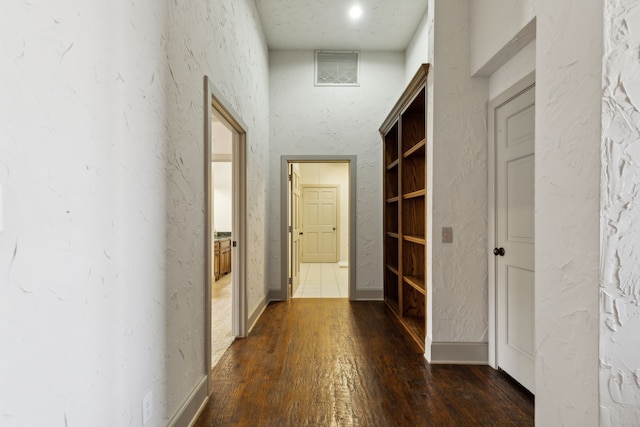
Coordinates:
329	362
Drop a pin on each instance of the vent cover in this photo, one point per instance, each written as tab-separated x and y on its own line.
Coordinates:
337	68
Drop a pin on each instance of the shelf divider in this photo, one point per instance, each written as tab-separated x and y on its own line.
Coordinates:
415	148
392	269
417	283
414	194
413	239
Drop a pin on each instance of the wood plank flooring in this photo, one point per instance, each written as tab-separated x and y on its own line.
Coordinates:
331	362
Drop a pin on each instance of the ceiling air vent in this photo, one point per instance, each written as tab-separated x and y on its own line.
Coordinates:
337	68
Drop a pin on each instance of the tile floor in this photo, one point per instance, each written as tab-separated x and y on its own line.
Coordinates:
323	280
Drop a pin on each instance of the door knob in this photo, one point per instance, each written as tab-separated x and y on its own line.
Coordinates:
334	229
301	233
498	251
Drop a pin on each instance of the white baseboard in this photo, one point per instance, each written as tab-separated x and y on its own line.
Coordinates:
253	317
457	353
274	295
369	295
193	406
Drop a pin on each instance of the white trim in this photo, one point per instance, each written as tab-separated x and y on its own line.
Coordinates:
239	227
284	188
274	295
525	36
509	94
257	313
491	239
221	157
188	413
215	104
370	295
458	353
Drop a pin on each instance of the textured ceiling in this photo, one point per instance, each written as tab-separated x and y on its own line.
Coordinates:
325	24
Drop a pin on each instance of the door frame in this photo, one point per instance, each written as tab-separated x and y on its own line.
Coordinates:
513	92
284	188
214	102
291	219
338	224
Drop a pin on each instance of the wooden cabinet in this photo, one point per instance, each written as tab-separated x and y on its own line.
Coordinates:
405	192
221	257
225	256
216	260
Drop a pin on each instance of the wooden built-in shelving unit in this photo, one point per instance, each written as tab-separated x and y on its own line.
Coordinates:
405	191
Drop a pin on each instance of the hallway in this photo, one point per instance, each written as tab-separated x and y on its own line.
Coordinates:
329	362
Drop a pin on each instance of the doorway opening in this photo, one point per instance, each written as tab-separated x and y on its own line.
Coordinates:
318	229
221	194
225	189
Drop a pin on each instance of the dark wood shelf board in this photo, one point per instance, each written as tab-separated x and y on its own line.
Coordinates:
412	325
416	327
415	148
394	235
393	199
414	194
393	305
416	283
417	240
392	269
392	164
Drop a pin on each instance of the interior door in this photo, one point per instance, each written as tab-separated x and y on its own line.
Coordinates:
296	223
320	224
514	252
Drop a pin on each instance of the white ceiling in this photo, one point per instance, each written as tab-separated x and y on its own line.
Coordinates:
325	24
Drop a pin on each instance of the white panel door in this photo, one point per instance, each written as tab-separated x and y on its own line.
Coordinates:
320	224
296	222
515	237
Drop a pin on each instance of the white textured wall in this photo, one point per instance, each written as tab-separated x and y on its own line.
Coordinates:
429	148
101	164
494	23
417	51
334	120
567	178
332	174
523	63
222	195
620	222
222	39
459	270
82	252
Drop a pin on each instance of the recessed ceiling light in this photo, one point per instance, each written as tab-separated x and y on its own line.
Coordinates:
355	12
